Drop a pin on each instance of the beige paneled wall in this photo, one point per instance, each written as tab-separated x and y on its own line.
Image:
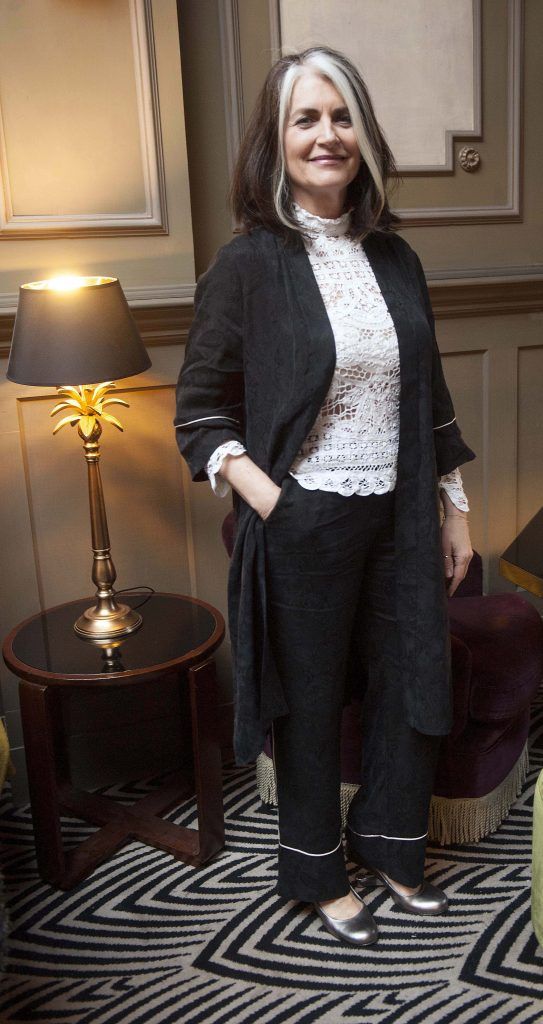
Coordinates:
497	247
529	436
76	137
111	189
203	86
495	371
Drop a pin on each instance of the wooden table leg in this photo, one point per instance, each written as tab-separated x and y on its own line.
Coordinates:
48	778
207	759
42	727
51	791
141	821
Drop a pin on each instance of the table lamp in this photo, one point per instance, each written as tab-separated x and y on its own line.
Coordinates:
70	330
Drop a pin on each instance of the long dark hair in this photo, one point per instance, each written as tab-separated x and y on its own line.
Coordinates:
260	193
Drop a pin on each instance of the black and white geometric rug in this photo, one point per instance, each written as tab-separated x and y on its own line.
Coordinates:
148	940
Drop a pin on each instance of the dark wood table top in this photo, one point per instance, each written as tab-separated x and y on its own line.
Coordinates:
177	632
522	562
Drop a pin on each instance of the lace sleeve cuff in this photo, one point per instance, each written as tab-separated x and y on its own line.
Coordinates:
220	486
452	485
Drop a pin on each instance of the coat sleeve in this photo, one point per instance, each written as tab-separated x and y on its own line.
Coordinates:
210	389
450	447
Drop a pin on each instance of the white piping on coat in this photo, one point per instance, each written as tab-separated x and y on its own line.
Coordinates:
202	419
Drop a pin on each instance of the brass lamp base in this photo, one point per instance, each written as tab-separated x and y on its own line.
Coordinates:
107	622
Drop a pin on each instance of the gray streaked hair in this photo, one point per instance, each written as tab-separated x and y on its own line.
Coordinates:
344	77
260	192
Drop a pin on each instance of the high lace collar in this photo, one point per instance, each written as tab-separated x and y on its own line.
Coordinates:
314	226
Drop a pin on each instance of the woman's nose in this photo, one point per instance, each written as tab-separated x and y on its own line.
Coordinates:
327	133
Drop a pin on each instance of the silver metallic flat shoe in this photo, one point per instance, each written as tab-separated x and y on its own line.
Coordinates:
360	930
428	900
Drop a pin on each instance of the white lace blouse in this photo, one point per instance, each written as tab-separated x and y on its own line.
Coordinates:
353	445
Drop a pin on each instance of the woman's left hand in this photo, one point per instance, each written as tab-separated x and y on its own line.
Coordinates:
456	547
455	543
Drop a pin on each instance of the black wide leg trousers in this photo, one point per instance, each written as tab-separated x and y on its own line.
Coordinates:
331	572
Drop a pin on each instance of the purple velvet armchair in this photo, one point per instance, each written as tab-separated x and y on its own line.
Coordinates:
497	667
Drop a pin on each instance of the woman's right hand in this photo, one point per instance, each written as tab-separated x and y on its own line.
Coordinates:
251	483
265	509
265	498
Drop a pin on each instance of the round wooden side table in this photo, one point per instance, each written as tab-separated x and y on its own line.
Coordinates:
178	635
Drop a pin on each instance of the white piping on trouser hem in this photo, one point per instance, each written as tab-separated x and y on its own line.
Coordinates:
378	835
445	424
202	419
276	788
296	850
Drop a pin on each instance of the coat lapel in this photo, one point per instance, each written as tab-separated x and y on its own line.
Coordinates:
306	322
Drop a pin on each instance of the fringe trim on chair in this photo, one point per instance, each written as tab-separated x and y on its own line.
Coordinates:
265	780
348	790
467	820
464	820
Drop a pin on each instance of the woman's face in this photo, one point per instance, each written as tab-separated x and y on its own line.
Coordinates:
321	152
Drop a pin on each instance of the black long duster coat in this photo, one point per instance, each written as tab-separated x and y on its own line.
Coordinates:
259	362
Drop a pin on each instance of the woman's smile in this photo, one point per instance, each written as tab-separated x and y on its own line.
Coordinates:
327	159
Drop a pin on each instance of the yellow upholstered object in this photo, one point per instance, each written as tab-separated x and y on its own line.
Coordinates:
6	766
537	861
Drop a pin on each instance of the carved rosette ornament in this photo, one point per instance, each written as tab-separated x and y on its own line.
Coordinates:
469	158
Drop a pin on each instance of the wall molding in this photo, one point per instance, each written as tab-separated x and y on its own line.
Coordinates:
232	76
453	135
528	272
511	209
489	297
159	322
511	291
145	295
154	218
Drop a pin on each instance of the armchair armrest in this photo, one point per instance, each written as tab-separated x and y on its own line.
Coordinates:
504	633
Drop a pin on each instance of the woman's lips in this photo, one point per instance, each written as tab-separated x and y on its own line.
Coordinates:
326	159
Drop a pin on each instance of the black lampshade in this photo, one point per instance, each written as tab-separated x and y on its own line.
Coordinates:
74	335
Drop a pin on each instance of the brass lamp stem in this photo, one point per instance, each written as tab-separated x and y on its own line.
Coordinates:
107	619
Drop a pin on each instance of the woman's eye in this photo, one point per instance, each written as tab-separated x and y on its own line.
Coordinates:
303	121
345	119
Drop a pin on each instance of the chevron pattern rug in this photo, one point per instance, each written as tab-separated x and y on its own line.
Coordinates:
148	940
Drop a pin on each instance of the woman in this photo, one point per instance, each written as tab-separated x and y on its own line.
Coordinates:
313	386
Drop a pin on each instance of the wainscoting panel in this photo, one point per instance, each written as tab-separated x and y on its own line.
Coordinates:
530	433
497	394
80	134
465	375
